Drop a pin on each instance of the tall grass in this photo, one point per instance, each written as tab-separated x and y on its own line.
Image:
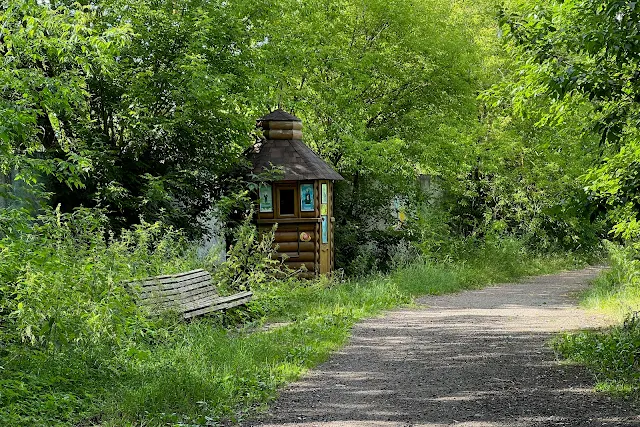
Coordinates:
166	372
612	354
617	290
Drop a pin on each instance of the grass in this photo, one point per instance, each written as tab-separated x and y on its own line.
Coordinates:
200	373
613	293
612	354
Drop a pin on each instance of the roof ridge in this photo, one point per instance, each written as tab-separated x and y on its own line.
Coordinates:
279	115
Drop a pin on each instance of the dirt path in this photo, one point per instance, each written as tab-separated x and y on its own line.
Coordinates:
473	359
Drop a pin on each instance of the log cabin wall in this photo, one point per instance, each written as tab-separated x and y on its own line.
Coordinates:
298	235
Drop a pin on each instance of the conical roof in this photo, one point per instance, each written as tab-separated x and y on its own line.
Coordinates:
299	162
283	147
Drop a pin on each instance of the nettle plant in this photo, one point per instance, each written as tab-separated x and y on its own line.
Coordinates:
62	277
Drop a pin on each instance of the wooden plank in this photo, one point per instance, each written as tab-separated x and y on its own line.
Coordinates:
210	296
293	247
183	298
214	307
177	275
295	227
168	287
172	288
297	265
298	257
168	282
199	303
288	221
191	293
162	290
213	302
189	305
286	236
228	302
172	291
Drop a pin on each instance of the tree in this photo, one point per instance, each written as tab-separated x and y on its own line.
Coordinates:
386	91
135	107
582	56
48	56
168	121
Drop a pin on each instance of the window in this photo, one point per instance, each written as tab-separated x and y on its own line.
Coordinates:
287	201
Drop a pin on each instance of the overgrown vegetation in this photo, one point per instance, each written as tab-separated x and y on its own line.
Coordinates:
76	348
504	133
613	353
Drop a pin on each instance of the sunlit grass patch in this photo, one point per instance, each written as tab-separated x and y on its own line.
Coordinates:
613	294
611	354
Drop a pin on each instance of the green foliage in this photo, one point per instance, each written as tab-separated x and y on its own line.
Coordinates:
576	68
611	354
250	263
47	56
140	111
130	106
159	99
387	92
62	277
163	371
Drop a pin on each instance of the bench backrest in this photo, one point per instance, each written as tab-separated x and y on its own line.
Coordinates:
183	292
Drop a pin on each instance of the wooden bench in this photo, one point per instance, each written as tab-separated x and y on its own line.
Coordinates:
191	293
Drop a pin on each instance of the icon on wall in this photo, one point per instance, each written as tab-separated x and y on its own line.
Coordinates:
306	198
305	237
266	198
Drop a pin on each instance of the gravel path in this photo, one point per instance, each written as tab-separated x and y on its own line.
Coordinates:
474	359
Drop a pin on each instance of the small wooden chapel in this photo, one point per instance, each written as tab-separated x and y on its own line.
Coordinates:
301	202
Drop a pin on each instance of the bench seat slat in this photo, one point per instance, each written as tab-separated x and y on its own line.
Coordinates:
208	294
193	288
221	306
178	276
172	285
155	284
218	303
174	302
214	301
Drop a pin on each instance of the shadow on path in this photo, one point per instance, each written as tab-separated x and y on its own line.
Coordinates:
474	359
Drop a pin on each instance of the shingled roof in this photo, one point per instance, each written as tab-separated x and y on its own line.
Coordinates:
283	147
299	162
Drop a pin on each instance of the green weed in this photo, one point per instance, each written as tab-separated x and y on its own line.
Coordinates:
163	371
613	355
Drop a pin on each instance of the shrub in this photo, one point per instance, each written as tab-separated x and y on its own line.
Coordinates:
62	276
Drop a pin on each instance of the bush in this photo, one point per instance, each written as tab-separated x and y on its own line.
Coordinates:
62	277
251	262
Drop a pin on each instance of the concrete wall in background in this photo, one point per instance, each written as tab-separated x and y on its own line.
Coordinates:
213	243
